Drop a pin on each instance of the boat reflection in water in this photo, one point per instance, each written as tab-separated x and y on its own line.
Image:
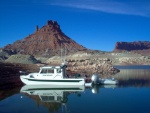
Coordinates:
59	99
96	88
55	98
51	97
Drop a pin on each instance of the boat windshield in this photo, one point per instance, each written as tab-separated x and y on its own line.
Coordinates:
47	71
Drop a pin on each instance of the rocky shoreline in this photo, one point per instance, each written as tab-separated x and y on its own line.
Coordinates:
89	63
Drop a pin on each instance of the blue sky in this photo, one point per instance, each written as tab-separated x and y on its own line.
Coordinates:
95	24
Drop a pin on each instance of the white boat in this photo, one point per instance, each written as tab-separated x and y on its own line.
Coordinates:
56	75
108	81
103	81
52	75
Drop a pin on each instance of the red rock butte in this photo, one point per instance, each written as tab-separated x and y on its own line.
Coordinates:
141	47
45	41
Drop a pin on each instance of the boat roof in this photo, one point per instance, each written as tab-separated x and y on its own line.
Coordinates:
51	67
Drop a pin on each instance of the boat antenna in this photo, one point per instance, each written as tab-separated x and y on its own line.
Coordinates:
61	52
65	56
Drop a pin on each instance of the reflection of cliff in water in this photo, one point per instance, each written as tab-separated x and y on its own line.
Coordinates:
7	92
51	98
134	77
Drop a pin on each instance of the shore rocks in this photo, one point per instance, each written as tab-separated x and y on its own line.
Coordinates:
87	65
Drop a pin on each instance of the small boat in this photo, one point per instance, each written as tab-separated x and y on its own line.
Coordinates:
103	81
52	75
108	81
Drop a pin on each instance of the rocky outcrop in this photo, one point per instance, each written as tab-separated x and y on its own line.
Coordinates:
86	64
23	59
4	54
46	41
91	66
140	47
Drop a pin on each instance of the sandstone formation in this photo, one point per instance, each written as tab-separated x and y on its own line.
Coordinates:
141	47
46	41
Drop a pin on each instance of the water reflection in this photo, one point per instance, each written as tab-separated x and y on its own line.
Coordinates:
95	89
122	98
56	99
51	97
7	92
134	77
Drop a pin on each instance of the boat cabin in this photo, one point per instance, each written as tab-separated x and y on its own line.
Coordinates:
49	71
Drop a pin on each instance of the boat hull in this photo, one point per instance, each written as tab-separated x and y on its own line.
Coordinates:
65	82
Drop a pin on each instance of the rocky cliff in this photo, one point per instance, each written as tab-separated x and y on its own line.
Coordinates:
141	47
45	41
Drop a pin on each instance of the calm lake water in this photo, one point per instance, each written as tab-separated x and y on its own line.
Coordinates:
132	95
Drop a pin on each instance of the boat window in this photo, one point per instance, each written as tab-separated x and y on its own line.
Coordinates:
50	70
31	76
44	71
47	71
58	70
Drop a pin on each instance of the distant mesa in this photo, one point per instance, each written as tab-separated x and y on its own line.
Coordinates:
130	46
45	41
141	47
